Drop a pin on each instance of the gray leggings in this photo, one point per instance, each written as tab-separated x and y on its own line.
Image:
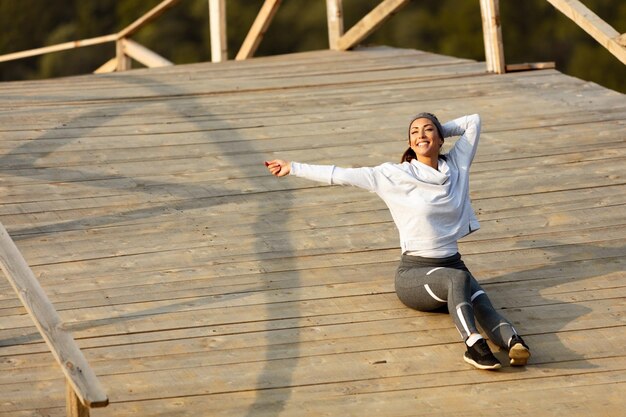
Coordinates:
428	284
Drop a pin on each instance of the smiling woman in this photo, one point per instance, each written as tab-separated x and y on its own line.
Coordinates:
425	139
428	197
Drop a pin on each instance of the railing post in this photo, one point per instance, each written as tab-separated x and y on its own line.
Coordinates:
217	23
492	34
334	11
73	406
123	60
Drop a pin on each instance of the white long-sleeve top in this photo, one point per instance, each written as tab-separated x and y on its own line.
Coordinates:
431	208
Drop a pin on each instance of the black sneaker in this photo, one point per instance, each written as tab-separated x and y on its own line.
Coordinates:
518	351
480	356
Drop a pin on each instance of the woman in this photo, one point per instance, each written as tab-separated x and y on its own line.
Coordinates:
428	197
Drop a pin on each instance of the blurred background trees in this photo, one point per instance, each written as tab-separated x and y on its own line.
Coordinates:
533	31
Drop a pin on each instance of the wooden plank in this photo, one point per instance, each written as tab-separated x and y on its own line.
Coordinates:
144	55
588	21
243	282
580	389
399	321
369	23
334	15
420	336
258	29
333	369
530	66
78	372
217	26
136	239
60	47
109	66
492	36
41	219
393	405
379	283
365	213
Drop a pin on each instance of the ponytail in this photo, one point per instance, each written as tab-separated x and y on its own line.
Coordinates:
408	155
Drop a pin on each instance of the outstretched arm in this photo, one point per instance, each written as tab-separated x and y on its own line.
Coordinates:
328	174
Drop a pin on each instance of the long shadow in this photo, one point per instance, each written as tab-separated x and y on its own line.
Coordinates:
27	156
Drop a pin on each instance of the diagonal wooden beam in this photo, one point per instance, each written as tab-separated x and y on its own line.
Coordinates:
601	31
144	55
109	66
258	29
146	18
370	23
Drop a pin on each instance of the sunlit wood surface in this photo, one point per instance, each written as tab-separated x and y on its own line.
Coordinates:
198	285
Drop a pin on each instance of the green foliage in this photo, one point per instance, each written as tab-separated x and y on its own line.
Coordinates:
533	31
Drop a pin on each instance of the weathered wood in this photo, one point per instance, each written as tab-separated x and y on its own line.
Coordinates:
194	280
601	31
258	29
73	364
369	23
123	61
151	15
109	66
334	15
217	26
530	66
492	35
60	47
143	55
73	405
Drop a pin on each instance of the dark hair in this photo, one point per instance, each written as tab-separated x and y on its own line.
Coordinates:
408	155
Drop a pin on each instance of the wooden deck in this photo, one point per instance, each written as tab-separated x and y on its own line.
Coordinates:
198	285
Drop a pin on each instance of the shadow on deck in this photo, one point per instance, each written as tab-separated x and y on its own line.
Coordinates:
196	284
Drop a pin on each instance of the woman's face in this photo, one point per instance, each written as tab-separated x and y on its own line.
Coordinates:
424	138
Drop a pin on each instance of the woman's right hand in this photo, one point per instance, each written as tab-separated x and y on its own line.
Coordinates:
278	167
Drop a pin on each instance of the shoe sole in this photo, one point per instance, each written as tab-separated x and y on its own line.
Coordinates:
519	354
479	366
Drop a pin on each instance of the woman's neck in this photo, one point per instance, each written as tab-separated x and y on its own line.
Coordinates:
433	163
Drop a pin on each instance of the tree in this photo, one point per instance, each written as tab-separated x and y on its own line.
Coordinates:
450	27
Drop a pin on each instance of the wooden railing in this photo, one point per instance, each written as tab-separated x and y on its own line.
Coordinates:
83	388
601	31
126	49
